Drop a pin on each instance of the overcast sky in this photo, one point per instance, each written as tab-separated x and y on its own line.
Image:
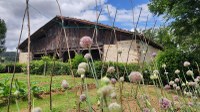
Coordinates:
42	11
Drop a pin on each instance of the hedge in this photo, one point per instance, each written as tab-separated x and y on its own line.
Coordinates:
9	67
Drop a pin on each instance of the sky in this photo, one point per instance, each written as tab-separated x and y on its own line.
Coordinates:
42	11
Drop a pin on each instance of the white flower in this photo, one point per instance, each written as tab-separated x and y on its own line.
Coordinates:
37	109
135	77
88	56
189	73
166	73
111	69
177	71
121	79
177	80
81	71
113	95
156	72
83	65
105	90
171	83
153	77
114	107
174	85
163	65
105	80
183	84
86	42
186	64
82	76
64	84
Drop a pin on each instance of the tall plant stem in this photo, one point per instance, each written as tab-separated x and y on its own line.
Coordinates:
28	65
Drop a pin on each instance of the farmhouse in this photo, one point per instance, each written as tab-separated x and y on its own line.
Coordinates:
110	43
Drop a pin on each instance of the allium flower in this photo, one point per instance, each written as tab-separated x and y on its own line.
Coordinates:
177	71
135	77
105	90
196	80
167	87
189	73
183	84
83	97
174	85
113	81
156	72
121	79
175	98
64	84
83	65
88	56
153	77
189	94
192	83
86	42
165	103
153	54
82	76
113	95
111	69
190	104
16	93
81	71
146	110
186	64
164	65
177	80
105	80
114	107
166	73
178	88
37	109
171	83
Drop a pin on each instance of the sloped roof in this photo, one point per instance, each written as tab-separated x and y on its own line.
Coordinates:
57	20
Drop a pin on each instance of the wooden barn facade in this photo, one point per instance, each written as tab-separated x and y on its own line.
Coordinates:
50	40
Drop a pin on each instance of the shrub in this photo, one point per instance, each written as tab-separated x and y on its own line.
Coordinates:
76	60
174	59
2	68
9	67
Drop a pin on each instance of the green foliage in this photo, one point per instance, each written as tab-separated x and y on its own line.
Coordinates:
3	30
8	57
9	67
76	60
174	59
52	67
184	16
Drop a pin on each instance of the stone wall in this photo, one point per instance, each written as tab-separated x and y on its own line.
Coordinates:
23	57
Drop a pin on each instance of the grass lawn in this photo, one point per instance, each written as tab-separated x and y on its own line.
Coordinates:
67	101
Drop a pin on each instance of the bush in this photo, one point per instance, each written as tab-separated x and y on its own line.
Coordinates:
174	59
76	60
38	67
9	67
120	66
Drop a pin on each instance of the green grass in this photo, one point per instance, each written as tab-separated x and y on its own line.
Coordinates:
67	101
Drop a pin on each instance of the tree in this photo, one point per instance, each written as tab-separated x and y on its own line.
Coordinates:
184	16
3	30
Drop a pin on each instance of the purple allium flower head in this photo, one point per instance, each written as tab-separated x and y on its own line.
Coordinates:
167	87
175	97
192	83
174	85
177	80
64	84
189	73
86	42
164	103
135	77
154	54
190	103
82	97
146	110
113	81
